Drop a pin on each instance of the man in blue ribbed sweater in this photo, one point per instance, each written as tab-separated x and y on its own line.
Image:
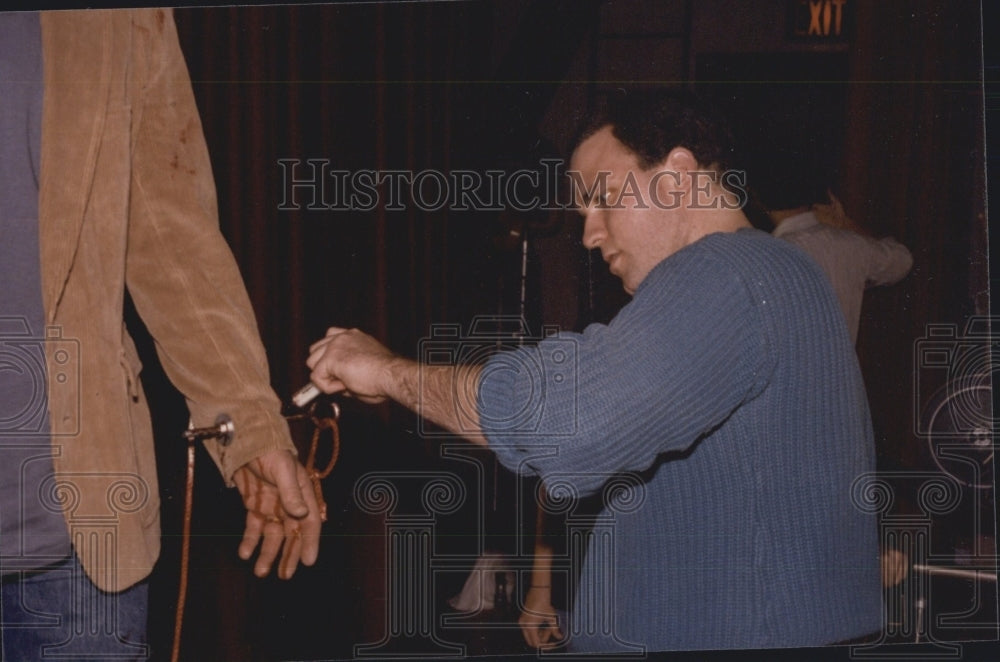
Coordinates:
721	413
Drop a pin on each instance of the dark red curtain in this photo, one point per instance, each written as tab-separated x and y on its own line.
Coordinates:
914	169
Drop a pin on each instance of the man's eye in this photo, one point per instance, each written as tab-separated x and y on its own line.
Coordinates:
604	200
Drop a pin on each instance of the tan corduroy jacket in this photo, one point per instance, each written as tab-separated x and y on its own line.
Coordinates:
127	199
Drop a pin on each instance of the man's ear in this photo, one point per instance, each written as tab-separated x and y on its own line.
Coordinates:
680	159
673	179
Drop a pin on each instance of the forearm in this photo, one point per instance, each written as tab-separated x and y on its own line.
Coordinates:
352	362
541	567
443	395
890	261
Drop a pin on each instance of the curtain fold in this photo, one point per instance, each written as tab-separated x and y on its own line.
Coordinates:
914	169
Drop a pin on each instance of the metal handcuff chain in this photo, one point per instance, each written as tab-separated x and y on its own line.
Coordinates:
223	431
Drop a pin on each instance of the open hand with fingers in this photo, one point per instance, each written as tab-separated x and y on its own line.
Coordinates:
282	513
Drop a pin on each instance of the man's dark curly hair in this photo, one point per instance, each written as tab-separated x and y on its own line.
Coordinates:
650	123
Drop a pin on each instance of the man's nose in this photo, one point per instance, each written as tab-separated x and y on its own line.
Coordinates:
593	228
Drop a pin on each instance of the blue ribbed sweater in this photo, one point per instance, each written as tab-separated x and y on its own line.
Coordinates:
724	409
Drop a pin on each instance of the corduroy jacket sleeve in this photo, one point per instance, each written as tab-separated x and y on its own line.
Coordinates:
179	270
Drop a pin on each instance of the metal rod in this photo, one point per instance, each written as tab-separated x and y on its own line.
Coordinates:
223	430
956	572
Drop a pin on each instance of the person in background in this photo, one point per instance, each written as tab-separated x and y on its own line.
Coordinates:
804	212
541	621
850	256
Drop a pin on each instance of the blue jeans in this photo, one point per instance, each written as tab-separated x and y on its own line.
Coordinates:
58	613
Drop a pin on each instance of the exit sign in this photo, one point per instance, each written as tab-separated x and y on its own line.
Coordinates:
820	20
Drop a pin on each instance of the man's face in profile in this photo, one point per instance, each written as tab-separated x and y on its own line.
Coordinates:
630	213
